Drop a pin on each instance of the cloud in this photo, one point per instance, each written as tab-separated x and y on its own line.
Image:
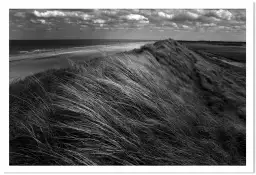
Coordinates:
165	15
208	25
183	16
40	21
219	14
185	27
168	24
224	14
225	28
20	25
214	19
200	11
48	14
117	19
238	15
57	13
20	14
99	21
136	17
174	24
109	12
192	15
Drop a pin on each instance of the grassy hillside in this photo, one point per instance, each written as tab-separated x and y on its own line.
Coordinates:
162	104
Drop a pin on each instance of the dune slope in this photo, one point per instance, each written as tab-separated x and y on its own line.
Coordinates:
162	104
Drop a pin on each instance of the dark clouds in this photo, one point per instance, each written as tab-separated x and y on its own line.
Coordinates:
214	20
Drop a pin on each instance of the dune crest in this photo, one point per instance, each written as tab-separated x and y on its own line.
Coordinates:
162	104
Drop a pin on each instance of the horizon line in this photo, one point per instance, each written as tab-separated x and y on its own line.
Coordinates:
125	39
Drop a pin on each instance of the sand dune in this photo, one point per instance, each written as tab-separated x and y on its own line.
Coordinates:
162	104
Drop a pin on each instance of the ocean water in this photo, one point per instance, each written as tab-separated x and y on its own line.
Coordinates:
19	47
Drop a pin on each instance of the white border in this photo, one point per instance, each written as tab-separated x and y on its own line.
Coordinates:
127	4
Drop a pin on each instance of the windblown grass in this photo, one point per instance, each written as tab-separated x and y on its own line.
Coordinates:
117	112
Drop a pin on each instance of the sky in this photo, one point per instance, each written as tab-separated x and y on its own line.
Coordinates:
144	24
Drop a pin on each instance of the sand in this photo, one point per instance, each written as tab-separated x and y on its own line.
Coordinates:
28	64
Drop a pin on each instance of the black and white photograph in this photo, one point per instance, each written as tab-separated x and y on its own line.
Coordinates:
127	86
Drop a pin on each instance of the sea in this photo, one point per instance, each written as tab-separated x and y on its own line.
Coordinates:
20	47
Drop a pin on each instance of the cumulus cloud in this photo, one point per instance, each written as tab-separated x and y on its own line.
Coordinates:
192	15
209	25
99	21
109	12
224	27
159	19
200	11
184	16
165	15
48	14
57	13
136	17
219	14
40	21
199	24
224	14
174	24
185	27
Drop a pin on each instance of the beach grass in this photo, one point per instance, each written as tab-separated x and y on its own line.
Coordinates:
144	107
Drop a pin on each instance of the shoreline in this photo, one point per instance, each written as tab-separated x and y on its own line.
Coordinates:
25	65
52	52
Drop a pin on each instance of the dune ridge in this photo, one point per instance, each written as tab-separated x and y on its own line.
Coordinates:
162	104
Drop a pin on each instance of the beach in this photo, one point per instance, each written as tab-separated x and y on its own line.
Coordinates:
29	64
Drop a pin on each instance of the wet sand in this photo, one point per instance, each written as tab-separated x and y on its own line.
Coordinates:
28	64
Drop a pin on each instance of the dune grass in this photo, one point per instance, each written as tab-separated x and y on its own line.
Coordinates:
117	111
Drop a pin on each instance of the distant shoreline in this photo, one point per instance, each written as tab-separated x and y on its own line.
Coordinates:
19	48
24	65
60	51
